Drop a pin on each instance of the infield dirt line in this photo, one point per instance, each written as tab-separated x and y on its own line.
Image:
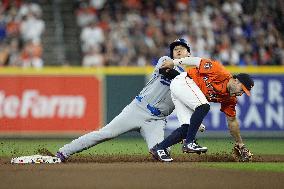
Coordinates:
148	158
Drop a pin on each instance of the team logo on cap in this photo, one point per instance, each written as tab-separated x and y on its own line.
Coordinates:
207	65
182	41
205	78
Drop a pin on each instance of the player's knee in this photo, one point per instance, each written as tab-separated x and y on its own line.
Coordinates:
184	130
184	127
179	132
203	108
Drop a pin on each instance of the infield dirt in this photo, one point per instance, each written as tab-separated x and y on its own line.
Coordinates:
137	172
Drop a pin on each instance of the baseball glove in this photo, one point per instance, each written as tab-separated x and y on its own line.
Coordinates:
242	153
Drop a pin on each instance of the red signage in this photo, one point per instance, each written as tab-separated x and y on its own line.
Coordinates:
49	103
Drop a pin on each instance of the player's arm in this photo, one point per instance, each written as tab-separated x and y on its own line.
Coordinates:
229	108
242	152
169	73
188	61
234	128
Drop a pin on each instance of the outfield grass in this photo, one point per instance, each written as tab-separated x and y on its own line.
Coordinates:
20	147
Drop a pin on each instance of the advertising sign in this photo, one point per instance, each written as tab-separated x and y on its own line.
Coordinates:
49	103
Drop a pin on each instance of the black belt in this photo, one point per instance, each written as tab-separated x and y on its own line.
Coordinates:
188	76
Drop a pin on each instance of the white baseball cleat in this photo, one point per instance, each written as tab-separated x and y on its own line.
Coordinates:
193	147
160	154
35	159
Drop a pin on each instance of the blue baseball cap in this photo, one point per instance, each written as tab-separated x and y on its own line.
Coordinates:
177	42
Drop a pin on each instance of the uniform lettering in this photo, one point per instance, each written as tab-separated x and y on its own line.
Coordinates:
165	81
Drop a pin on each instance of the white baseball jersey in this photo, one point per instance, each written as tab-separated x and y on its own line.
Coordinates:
146	114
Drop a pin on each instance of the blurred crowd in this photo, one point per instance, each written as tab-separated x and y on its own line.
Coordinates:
21	28
138	32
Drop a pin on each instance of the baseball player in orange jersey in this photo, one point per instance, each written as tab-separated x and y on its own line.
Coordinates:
191	93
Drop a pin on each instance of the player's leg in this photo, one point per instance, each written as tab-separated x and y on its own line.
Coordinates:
186	91
191	97
186	96
124	122
183	115
153	132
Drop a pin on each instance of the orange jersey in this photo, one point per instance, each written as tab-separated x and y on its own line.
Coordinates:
212	78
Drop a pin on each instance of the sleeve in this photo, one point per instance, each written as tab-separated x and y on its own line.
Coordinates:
189	61
160	62
209	66
173	73
229	107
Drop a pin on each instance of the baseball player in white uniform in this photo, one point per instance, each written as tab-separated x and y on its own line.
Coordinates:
146	113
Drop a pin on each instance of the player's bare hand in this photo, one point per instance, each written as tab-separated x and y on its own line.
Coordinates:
168	64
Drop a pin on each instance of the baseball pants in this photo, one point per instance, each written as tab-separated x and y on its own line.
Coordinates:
133	117
186	96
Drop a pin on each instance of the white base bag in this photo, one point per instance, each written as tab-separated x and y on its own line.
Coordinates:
35	159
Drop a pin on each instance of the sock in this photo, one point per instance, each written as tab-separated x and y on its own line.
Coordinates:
195	121
175	137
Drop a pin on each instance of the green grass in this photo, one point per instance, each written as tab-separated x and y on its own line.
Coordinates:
275	167
128	146
19	147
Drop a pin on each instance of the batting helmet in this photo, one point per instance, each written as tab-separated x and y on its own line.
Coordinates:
177	42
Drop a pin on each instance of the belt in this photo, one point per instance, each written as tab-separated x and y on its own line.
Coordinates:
152	109
188	76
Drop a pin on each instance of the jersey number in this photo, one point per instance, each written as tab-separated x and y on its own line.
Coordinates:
165	81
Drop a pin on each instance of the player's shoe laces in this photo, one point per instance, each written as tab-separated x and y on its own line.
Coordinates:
61	156
193	147
160	154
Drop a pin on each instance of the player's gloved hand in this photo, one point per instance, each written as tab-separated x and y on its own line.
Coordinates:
169	73
242	153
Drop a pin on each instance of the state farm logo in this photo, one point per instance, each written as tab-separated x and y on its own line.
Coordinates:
35	105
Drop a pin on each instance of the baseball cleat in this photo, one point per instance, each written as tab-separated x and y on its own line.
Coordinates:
61	156
160	154
193	147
